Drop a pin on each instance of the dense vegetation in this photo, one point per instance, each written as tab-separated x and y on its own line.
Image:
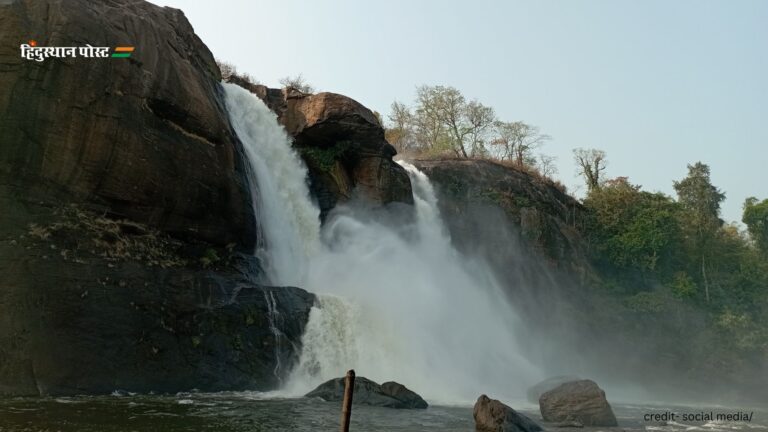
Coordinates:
663	255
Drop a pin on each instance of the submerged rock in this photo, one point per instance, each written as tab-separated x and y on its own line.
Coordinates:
534	393
577	401
366	392
493	416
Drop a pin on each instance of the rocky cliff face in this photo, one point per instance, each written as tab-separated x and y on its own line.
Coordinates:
543	219
147	136
343	145
126	219
92	304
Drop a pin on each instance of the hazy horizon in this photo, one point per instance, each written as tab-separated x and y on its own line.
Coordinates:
657	85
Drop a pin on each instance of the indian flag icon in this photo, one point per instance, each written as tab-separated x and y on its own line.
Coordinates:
122	52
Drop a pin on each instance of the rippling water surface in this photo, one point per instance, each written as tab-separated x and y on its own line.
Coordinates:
234	412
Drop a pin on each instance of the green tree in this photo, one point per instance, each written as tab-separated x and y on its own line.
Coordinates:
632	229
755	217
700	201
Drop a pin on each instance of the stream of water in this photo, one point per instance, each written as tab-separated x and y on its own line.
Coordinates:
252	412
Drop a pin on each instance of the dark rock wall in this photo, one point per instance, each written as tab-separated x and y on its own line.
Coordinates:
90	304
125	218
146	136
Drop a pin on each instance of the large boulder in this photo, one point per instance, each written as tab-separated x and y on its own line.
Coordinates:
534	392
148	136
577	401
493	416
342	143
366	392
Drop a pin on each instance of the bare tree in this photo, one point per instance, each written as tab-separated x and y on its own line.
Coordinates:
400	131
444	120
592	164
479	119
297	83
518	140
450	107
429	129
230	73
227	69
547	165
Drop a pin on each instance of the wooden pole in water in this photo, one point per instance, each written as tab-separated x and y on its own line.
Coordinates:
346	405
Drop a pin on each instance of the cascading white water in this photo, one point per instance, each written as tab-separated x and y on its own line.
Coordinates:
275	322
395	303
289	221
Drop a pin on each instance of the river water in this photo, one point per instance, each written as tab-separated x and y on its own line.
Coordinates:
252	412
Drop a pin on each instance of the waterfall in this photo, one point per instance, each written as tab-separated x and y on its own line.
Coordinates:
289	220
396	301
275	322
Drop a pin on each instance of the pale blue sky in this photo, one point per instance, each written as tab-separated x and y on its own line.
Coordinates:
656	84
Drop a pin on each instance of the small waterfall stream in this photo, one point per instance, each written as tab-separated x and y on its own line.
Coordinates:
396	302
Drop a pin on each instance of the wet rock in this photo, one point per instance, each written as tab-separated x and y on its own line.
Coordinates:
577	401
366	392
534	393
493	416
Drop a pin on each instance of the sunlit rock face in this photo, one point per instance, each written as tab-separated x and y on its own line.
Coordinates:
145	136
342	143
